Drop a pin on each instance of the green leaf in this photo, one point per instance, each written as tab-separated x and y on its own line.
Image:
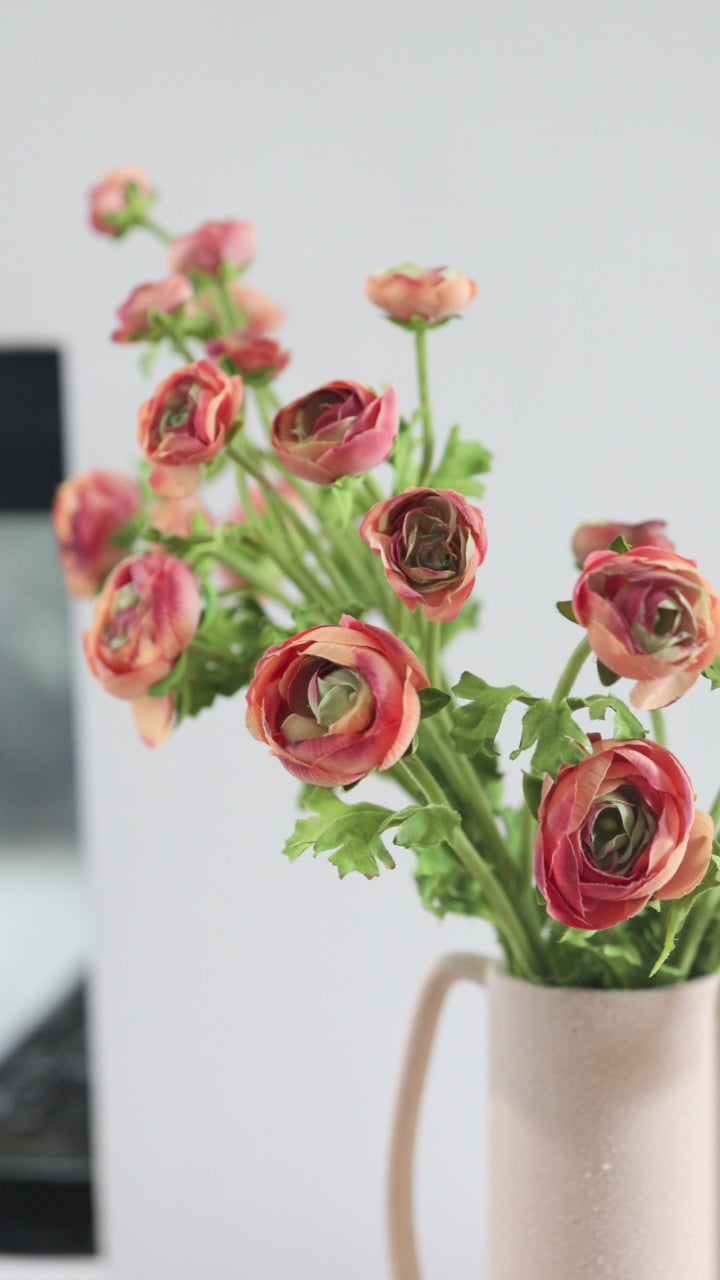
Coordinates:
432	701
605	675
557	738
445	887
350	833
338	502
620	545
565	608
627	727
426	825
532	791
476	725
680	910
461	461
713	674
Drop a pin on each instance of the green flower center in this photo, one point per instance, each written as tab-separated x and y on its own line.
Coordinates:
620	829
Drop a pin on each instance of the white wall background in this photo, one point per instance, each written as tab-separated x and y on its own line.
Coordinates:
250	1016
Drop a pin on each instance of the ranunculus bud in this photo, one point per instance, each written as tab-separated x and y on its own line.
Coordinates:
336	702
431	543
174	516
597	537
342	429
164	297
119	200
615	831
407	292
88	510
651	616
212	246
186	423
257	314
145	617
257	359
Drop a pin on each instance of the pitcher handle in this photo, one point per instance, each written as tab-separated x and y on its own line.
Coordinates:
451	969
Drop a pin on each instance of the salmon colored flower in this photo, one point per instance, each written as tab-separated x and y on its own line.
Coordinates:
615	831
119	199
407	292
651	616
174	516
256	314
87	512
597	537
342	429
164	297
257	359
431	543
145	617
336	702
186	423
212	246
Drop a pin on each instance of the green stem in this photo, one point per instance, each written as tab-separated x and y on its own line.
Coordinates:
715	811
692	935
574	665
226	307
528	831
150	225
425	403
659	727
175	339
261	403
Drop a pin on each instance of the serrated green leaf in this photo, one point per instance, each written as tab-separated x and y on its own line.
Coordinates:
627	727
445	887
680	909
712	674
557	738
426	825
476	725
460	462
432	701
350	833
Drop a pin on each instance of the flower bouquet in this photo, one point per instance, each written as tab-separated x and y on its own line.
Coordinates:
321	553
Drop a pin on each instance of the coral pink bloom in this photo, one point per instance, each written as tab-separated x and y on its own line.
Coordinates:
336	702
145	617
649	615
165	297
186	424
342	429
213	245
110	211
258	359
597	537
615	831
408	292
431	543
88	510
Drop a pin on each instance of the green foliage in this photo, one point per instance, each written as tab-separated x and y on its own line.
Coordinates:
422	826
432	701
566	609
556	736
627	727
605	675
350	833
476	725
445	887
460	463
339	502
619	545
713	674
532	791
405	456
679	910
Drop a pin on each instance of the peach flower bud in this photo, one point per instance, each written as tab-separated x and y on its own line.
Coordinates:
336	702
145	617
174	516
113	210
615	831
407	292
431	543
213	245
597	537
649	615
342	429
88	510
257	314
186	423
154	718
257	359
165	297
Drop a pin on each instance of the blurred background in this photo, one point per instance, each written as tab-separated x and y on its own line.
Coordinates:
247	1018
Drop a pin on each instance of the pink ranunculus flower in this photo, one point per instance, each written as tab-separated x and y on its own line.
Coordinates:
337	702
257	315
111	210
135	314
431	543
186	423
342	429
651	616
615	831
88	510
145	617
408	292
212	246
257	359
174	516
597	537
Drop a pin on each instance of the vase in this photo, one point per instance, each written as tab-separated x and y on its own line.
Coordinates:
603	1135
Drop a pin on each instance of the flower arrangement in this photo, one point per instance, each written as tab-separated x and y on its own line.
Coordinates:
331	597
